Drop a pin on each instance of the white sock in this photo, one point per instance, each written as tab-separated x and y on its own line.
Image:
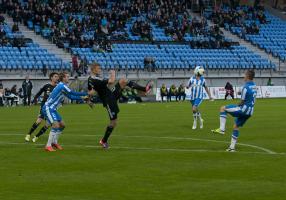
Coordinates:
222	120
233	143
200	116
56	138
52	136
195	118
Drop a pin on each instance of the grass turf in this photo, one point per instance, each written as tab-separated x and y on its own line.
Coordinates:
154	154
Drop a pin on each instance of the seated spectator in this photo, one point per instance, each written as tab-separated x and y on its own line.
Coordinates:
173	92
164	92
15	28
181	92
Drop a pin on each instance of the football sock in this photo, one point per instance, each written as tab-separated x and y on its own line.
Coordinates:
33	128
108	132
52	136
42	131
200	116
59	132
234	137
136	86
195	117
222	119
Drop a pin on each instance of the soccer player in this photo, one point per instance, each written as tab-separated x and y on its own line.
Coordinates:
46	89
197	83
242	112
109	95
50	109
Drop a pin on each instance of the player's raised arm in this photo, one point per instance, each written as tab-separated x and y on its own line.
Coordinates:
111	79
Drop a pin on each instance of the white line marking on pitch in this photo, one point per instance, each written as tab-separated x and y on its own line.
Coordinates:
173	138
145	148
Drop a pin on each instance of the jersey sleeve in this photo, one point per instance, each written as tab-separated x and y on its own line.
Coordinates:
243	93
190	82
68	92
40	92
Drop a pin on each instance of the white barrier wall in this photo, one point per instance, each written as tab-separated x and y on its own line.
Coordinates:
219	92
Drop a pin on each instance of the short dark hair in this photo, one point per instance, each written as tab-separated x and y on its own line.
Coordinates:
62	75
52	74
250	74
94	64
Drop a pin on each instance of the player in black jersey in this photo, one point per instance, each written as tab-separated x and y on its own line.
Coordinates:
46	90
109	95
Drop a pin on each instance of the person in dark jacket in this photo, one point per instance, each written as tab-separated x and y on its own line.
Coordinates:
27	91
228	90
1	94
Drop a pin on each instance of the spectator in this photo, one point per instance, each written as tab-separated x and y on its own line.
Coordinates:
181	92
27	87
173	92
15	28
14	95
1	94
44	70
164	92
228	90
269	82
75	65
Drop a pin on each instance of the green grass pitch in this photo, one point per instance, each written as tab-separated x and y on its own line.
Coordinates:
154	155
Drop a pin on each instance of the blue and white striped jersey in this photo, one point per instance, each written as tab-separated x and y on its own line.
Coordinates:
197	87
248	95
59	92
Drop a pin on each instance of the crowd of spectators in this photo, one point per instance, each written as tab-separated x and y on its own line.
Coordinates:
245	17
5	40
143	29
96	23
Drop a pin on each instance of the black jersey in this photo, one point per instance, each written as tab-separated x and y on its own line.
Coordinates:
47	90
101	87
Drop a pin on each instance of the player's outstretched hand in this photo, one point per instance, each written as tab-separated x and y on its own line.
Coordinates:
91	92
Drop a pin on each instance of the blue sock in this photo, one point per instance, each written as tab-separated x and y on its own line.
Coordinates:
222	114
235	134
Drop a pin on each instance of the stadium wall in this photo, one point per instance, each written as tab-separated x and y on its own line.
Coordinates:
211	81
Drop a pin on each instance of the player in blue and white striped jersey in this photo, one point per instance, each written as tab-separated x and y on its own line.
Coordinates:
242	112
197	83
53	103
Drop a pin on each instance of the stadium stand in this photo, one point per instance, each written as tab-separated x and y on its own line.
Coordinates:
122	35
256	26
19	53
